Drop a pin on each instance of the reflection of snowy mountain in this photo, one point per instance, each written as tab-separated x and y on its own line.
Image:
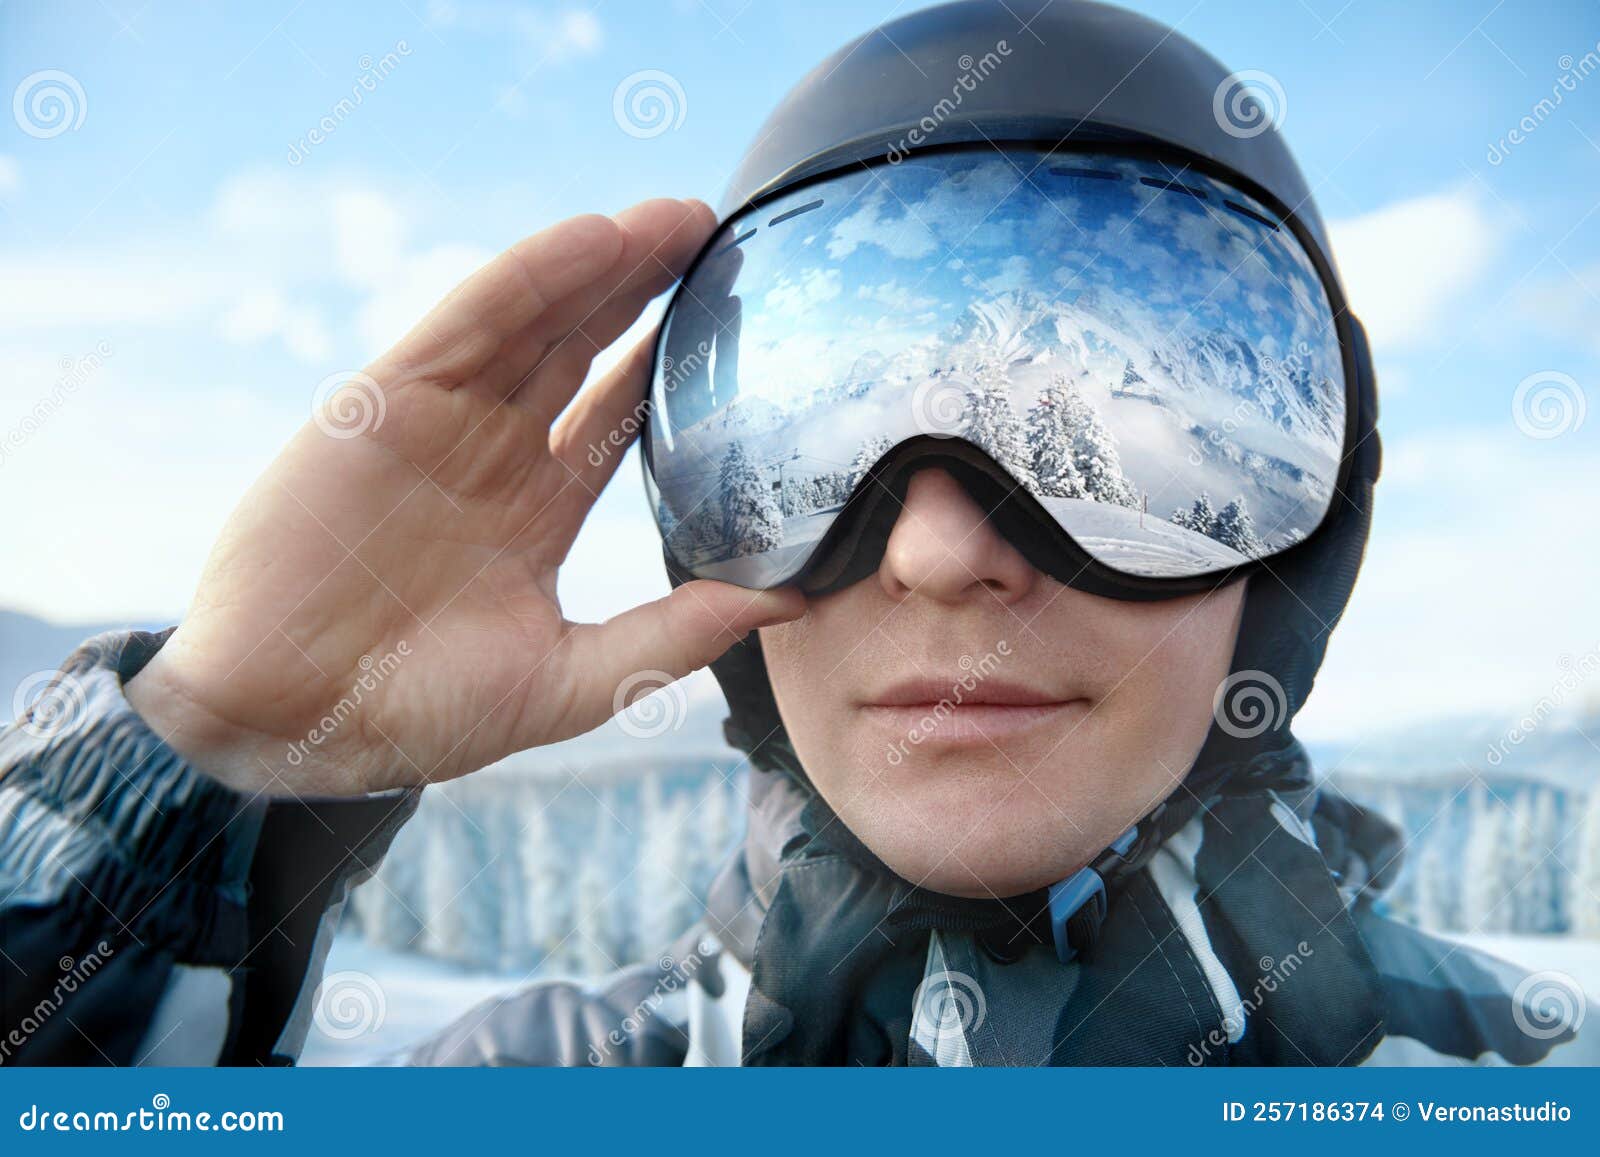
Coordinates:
1100	334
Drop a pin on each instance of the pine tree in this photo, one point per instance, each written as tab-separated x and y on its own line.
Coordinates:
716	827
1050	435
1583	901
751	520
602	916
866	458
991	423
665	903
387	904
1434	904
459	925
546	890
1235	528
1485	905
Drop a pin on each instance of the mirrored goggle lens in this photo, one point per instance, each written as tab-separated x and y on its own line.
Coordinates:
1145	349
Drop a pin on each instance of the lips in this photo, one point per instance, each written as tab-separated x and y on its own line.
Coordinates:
953	691
946	711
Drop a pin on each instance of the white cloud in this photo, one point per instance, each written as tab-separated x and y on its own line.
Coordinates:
1477	580
542	37
1404	265
260	316
1567	305
272	259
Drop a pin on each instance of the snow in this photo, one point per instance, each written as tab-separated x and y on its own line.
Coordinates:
1578	957
1113	534
420	995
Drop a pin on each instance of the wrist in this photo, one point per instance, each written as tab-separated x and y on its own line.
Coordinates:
173	705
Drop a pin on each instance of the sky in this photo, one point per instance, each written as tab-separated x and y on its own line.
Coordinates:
181	263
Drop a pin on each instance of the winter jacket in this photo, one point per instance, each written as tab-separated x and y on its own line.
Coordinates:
152	915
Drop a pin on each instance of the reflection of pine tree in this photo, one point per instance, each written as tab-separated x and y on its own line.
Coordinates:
1131	379
1235	528
1200	518
866	458
1094	450
990	422
1050	433
751	520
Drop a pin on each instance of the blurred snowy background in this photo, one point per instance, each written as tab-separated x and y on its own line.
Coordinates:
179	267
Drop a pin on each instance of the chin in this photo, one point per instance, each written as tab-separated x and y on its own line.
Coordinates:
975	827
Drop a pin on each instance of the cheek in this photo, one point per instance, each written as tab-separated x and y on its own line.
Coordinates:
1175	661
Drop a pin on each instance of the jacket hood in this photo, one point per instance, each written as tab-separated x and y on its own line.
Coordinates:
1072	73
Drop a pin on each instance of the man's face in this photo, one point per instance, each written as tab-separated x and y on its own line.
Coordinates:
982	728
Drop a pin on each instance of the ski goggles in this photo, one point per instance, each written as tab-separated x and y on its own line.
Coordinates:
1137	368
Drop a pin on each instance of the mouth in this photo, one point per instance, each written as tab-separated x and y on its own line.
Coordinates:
947	712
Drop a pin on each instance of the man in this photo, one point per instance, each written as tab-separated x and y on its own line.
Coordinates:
936	428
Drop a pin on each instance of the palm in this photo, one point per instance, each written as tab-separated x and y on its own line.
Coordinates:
394	572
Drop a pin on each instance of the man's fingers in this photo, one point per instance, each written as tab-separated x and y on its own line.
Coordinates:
595	431
551	359
609	664
466	330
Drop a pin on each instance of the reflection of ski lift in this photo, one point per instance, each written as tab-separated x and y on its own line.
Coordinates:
777	485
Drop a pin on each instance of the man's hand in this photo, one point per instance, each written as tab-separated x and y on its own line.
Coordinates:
381	608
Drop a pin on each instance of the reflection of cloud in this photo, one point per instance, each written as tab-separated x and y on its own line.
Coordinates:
899	236
814	287
897	297
1406	263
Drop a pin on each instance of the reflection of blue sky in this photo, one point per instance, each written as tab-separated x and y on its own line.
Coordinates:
896	253
937	266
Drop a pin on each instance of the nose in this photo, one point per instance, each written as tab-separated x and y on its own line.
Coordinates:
944	548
